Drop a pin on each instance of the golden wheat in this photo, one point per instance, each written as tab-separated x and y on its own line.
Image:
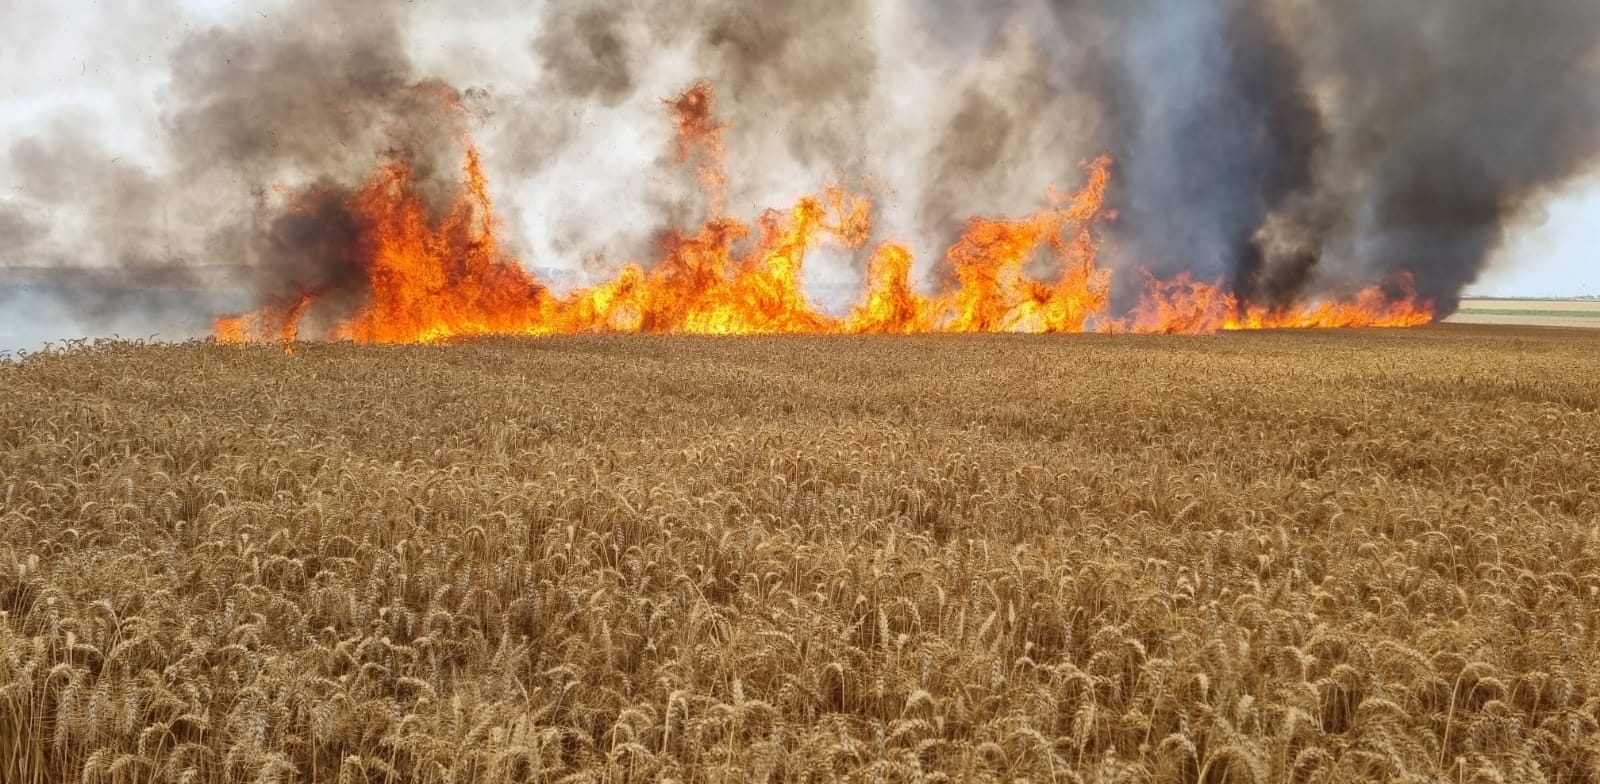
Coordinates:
1308	557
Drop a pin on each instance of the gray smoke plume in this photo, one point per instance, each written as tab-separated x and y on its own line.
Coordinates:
1294	145
575	131
1446	122
315	107
1287	148
19	230
276	103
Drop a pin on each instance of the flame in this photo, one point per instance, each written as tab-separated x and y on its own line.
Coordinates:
1184	305
700	141
891	305
434	277
261	324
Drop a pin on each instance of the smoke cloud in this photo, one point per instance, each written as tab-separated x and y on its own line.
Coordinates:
1447	123
1288	148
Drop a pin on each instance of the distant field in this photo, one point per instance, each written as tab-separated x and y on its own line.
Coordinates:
1530	312
1339	556
31	315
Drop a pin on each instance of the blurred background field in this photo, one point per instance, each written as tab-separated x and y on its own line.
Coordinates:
1530	312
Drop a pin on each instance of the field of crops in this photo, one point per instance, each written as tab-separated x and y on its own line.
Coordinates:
1277	557
1529	312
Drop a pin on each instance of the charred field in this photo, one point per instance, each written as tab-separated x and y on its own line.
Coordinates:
1305	556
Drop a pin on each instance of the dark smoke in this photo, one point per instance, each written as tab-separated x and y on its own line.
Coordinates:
277	103
281	102
1447	121
1296	145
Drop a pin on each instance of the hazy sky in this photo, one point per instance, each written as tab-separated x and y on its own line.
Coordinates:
101	64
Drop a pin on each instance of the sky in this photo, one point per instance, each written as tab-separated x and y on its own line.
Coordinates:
99	65
1557	257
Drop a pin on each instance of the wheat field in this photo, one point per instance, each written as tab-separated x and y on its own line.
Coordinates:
1281	557
1530	312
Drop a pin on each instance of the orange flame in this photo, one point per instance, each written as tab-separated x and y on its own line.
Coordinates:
435	278
1184	305
700	141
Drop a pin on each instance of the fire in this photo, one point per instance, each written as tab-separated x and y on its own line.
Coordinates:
434	280
432	277
891	304
1184	305
700	140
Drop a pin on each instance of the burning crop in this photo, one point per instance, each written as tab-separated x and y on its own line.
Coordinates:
862	166
427	277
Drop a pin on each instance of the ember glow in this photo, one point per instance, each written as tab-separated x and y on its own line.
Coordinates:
431	278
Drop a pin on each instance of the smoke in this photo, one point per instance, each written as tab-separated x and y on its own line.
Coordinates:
19	231
1296	146
795	84
1447	123
587	56
1288	148
1005	123
1213	130
306	102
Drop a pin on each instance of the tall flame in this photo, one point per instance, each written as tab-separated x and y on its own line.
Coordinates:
434	278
